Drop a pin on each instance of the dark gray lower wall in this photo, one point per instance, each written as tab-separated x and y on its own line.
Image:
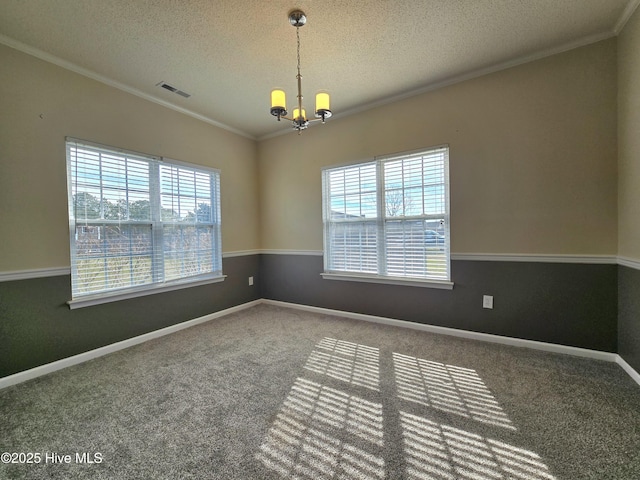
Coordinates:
561	303
566	304
37	327
629	316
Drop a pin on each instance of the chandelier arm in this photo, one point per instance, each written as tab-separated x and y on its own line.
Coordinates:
309	120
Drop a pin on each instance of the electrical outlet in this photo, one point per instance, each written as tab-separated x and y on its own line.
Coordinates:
250	280
487	301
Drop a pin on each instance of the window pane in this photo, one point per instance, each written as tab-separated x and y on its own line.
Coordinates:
354	247
434	199
352	192
185	195
353	208
112	256
413	201
412	250
338	207
336	180
120	271
139	209
86	205
188	251
394	203
204	213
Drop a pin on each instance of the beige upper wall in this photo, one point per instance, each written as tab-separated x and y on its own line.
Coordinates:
532	158
42	103
629	139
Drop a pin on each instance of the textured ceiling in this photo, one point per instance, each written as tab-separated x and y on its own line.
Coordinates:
229	54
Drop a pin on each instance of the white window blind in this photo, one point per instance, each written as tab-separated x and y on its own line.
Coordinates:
389	217
138	222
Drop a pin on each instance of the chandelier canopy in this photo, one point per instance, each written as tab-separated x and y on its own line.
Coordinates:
297	18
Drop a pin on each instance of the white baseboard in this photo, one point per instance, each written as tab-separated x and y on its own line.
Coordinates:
485	337
114	347
629	369
454	332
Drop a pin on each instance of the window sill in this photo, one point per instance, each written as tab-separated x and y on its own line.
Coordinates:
90	300
409	282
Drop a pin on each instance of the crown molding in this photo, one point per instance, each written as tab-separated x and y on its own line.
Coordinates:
626	15
47	57
581	42
10	42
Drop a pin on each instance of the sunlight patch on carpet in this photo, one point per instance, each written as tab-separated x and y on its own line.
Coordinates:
448	388
435	451
346	361
321	432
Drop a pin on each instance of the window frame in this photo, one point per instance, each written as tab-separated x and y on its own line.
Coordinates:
381	220
158	283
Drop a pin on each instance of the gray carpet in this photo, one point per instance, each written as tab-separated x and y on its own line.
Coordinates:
274	393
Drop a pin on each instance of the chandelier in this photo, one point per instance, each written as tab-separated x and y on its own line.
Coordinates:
297	18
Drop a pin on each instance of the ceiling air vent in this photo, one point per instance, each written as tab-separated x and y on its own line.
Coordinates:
173	89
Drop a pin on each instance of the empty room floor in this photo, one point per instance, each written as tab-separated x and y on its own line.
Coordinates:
274	393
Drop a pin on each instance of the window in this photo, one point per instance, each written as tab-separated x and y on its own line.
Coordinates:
139	222
388	219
